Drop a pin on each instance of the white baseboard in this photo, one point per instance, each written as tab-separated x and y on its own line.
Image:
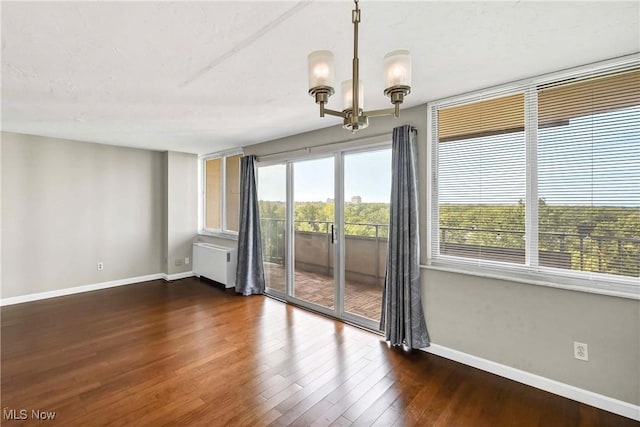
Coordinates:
92	287
177	276
565	390
79	289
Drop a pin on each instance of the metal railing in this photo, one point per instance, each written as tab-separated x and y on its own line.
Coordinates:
588	252
575	251
273	237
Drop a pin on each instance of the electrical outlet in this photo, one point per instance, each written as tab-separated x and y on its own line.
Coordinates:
178	261
581	351
100	266
186	261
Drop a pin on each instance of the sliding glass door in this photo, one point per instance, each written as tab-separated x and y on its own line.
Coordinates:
367	190
313	231
324	231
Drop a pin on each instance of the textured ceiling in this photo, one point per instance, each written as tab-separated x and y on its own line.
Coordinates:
205	76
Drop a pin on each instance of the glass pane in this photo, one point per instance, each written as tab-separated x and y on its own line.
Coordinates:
272	196
589	176
313	194
233	192
367	189
213	171
481	181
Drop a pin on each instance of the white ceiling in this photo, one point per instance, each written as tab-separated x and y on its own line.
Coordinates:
206	76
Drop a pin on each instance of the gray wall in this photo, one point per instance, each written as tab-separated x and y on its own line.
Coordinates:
0	216
165	213
528	327
67	205
533	328
181	208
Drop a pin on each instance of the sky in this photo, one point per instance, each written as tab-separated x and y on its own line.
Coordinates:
367	175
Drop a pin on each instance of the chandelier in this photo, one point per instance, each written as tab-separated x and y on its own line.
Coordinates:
397	80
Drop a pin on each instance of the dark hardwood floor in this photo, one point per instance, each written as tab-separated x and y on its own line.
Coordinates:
187	353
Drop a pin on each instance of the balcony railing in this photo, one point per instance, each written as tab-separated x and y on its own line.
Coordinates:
365	251
583	252
574	251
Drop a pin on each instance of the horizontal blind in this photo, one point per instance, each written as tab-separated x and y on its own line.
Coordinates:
213	193
480	119
560	102
232	192
481	180
589	174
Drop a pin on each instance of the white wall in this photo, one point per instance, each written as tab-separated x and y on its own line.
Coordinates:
529	327
67	205
228	243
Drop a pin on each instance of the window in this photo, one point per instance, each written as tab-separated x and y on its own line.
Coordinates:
221	189
543	178
589	174
481	192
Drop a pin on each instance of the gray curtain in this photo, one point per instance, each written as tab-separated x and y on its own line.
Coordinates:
402	318
250	271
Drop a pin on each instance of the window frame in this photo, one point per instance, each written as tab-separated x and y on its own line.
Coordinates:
531	272
222	232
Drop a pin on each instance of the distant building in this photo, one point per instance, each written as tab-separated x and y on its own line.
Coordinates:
329	200
356	200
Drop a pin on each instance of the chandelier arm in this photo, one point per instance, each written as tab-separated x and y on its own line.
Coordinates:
377	113
334	113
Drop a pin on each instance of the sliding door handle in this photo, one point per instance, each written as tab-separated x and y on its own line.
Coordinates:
333	234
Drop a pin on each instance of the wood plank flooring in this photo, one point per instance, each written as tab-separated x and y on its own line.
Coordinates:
187	353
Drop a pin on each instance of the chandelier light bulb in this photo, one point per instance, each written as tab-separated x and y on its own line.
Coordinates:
397	68
321	69
347	95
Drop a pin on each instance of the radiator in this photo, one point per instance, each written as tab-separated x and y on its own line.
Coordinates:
215	262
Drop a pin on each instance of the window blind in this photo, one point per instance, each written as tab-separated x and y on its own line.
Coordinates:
561	101
481	180
589	174
213	198
232	195
547	179
490	117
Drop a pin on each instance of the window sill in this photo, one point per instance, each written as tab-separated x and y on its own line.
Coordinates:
219	234
614	289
